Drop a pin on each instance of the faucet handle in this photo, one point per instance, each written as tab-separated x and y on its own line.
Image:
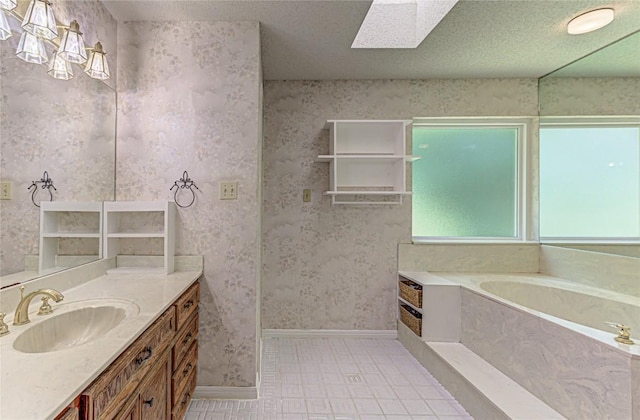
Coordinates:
4	328
45	308
624	334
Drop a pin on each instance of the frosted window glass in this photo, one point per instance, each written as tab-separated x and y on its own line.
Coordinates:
590	182
465	184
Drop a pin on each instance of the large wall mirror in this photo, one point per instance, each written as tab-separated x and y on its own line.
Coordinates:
590	151
63	127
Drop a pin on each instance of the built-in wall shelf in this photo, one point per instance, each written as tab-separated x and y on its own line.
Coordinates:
367	161
140	220
60	220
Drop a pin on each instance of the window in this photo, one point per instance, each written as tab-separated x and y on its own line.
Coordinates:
590	179
468	183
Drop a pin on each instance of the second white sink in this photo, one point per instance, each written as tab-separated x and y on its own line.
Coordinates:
76	324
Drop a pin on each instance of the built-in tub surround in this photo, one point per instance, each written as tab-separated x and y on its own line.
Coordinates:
578	370
617	273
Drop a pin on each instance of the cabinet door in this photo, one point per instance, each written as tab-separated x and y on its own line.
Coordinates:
154	396
131	411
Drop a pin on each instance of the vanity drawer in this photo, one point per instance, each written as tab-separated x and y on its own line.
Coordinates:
182	374
187	304
71	413
180	408
103	398
186	337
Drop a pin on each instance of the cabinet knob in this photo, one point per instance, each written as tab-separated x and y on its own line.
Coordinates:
188	338
144	356
188	304
149	402
186	399
187	369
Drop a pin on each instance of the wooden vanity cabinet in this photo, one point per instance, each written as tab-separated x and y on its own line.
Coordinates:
184	355
155	377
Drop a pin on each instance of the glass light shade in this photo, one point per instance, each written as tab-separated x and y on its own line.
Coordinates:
8	4
31	49
39	20
72	45
97	66
5	29
590	21
59	68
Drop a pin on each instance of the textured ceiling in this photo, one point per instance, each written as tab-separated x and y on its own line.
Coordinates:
311	39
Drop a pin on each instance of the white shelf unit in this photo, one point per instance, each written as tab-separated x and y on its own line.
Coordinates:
140	220
367	161
67	220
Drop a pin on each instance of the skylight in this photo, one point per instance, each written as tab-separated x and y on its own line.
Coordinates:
400	23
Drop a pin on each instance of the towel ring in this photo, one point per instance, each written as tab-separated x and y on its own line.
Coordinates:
184	183
47	183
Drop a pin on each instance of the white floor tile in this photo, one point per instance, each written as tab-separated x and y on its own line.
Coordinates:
392	406
367	406
443	407
417	407
318	406
342	406
294	405
337	379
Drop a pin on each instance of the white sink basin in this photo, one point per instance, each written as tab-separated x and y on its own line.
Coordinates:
75	324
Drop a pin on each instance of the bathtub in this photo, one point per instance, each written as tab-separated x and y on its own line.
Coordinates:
550	335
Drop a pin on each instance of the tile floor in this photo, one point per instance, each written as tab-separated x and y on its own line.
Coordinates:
337	379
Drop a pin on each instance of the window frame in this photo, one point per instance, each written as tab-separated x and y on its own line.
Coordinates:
599	121
523	222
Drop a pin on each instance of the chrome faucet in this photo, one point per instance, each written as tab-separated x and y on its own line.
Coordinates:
22	311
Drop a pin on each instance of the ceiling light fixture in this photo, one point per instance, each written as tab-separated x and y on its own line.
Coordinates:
590	21
400	23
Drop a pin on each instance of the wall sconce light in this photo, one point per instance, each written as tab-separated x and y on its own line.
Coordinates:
31	49
59	68
8	4
39	25
72	46
39	20
97	66
5	29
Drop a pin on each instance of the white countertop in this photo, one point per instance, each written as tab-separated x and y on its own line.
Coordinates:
40	385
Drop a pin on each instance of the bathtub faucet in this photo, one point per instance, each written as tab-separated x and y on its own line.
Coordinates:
624	335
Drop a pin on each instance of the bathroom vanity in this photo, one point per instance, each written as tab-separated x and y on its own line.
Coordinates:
142	368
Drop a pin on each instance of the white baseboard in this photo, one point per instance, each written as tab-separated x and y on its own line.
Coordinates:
385	334
226	393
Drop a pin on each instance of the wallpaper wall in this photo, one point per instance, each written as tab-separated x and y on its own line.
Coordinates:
334	267
64	127
589	96
188	100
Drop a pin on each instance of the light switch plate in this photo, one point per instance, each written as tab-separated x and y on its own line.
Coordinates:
228	190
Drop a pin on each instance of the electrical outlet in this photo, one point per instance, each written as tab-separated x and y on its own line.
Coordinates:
229	190
306	195
5	190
